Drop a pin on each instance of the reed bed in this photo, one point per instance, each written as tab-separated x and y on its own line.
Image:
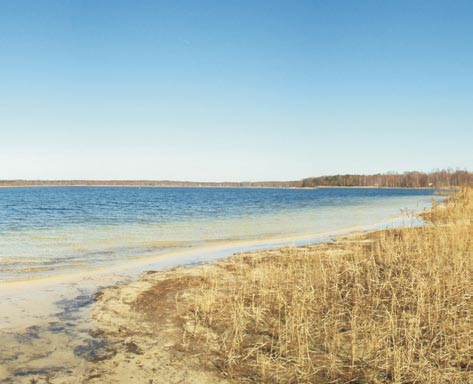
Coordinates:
390	306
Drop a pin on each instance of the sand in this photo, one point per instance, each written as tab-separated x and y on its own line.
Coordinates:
144	352
112	341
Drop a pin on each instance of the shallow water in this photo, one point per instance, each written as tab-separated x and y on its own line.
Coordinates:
46	231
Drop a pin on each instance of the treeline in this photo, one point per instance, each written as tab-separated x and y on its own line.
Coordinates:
147	183
436	179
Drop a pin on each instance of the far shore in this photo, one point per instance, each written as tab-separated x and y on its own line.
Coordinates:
412	179
197	185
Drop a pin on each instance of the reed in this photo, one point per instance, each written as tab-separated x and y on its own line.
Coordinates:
388	306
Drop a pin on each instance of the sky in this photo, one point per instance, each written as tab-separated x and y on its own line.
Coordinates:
233	90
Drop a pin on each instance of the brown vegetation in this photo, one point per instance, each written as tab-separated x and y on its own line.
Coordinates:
393	306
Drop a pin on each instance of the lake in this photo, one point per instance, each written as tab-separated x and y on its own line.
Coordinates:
48	231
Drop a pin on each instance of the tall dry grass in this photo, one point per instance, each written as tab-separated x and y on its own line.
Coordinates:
391	306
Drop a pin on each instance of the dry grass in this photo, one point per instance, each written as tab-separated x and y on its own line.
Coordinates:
392	306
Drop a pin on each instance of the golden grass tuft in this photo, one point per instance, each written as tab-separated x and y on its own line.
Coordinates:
389	306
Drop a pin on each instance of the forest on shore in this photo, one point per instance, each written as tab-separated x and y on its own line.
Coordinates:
435	179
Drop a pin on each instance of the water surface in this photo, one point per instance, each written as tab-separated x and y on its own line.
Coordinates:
54	230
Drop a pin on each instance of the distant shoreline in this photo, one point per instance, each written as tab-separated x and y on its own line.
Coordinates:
416	180
199	186
179	184
145	183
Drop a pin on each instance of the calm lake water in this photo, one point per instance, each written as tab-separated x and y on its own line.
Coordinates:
46	231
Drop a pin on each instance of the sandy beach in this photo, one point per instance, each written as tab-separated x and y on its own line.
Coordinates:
127	340
145	323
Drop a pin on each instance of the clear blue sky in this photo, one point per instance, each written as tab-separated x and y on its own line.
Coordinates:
233	90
